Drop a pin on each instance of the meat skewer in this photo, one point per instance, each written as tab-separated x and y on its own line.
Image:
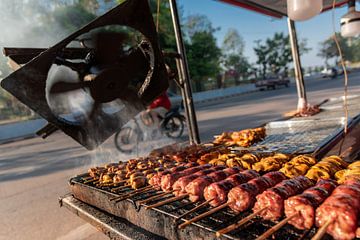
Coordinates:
170	200
238	224
274	197
193	210
271	163
344	206
180	185
154	197
297	166
156	179
326	168
305	204
131	194
218	191
269	203
201	216
195	189
243	196
300	209
275	228
265	182
168	180
183	195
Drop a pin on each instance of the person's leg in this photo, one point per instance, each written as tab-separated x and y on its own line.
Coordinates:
147	118
160	113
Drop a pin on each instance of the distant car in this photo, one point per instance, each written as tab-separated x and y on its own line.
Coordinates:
272	83
333	72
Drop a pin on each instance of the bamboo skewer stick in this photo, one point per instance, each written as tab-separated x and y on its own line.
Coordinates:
131	194
125	194
194	209
201	216
170	200
152	198
92	180
87	178
275	228
321	232
120	188
240	223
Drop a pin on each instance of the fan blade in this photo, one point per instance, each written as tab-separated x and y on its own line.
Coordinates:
62	87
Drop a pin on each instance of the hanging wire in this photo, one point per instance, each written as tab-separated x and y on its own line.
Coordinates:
346	79
157	15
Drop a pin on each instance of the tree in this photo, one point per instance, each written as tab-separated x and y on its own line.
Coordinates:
233	60
233	43
203	57
261	52
198	23
202	52
328	49
275	53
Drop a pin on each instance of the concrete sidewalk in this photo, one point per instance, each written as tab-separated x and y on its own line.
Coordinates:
26	129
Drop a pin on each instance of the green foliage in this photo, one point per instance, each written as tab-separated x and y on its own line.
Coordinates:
233	59
328	49
202	52
275	53
203	57
233	43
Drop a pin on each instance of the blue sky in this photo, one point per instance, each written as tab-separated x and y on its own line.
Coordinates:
253	26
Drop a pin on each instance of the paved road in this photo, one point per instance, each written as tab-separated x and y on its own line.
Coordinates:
34	172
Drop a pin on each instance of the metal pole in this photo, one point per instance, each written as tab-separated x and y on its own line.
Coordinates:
183	95
300	84
189	104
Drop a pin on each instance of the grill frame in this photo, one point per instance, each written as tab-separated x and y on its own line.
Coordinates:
161	221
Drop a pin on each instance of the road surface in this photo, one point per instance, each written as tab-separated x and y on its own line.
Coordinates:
34	172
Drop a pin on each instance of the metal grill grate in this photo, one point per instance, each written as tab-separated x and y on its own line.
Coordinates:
301	136
100	198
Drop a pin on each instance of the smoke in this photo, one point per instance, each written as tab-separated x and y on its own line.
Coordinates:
30	23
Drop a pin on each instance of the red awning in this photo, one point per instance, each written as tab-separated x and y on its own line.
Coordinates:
274	8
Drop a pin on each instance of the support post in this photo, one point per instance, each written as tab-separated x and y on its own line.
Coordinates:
300	84
184	75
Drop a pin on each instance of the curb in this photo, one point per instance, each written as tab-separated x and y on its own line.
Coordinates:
225	97
15	139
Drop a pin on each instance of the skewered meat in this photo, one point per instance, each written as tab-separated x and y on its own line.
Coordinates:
298	166
351	172
156	180
106	178
342	210
305	204
180	185
248	160
218	191
326	168
95	172
271	163
168	180
243	196
138	182
273	199
243	138
196	188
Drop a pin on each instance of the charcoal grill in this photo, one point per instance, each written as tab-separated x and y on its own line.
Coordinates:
161	221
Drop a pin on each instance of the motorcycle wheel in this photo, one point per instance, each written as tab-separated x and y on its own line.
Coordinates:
126	139
174	127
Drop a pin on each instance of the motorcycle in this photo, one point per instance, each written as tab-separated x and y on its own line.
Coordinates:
171	125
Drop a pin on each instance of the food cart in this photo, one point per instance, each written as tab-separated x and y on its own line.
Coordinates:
122	212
